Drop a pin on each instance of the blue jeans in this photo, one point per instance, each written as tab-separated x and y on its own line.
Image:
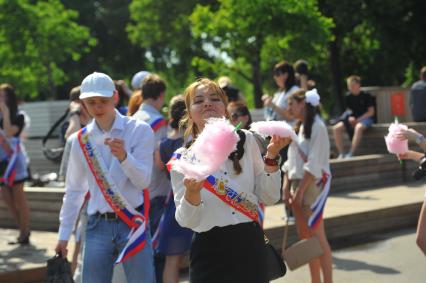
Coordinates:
104	240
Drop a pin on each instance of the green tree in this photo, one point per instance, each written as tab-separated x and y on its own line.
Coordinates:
163	29
244	34
379	40
35	37
114	54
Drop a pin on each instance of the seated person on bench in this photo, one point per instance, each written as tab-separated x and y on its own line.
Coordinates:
359	116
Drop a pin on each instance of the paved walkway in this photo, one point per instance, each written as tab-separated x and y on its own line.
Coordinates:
395	258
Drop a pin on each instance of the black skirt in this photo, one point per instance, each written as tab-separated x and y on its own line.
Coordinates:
234	253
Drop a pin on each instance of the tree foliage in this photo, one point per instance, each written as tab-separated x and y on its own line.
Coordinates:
162	28
253	32
35	38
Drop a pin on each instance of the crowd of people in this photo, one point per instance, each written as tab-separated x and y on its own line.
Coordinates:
125	203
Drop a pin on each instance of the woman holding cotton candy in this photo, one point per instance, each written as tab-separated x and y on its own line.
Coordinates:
413	135
228	245
308	162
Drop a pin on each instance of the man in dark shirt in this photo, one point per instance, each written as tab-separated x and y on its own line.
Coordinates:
418	98
360	116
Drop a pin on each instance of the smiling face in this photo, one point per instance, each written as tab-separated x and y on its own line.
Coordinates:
206	103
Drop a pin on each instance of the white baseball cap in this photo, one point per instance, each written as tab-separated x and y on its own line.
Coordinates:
97	84
138	78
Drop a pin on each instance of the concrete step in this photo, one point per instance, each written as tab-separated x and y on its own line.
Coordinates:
347	214
369	171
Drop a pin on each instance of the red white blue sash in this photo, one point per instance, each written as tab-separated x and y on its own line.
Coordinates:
160	226
158	123
224	188
318	206
11	148
133	218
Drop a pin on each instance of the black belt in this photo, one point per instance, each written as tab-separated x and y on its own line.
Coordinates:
113	215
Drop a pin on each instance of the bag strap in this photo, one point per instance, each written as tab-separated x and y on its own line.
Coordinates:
54	126
285	234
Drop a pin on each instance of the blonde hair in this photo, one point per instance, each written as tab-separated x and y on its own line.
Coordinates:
353	79
189	94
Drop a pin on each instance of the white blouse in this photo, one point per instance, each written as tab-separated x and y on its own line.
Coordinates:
212	211
317	150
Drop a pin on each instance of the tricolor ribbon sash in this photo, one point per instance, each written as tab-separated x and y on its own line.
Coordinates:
135	220
11	148
160	226
318	206
158	123
223	187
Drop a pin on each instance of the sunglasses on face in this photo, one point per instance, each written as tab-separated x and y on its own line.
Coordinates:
278	73
235	116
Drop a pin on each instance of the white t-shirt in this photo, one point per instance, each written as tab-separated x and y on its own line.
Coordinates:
280	99
317	150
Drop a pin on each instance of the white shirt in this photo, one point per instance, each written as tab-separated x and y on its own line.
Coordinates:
214	212
131	176
317	149
160	183
280	99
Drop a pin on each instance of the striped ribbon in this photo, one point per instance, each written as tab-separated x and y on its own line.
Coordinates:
231	197
11	148
134	219
160	226
318	206
158	123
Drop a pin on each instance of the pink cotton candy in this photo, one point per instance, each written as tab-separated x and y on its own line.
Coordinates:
211	149
395	145
278	128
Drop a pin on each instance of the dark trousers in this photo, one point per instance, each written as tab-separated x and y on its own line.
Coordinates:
155	212
234	253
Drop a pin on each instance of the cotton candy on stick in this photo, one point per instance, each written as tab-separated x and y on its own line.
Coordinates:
278	128
210	150
395	145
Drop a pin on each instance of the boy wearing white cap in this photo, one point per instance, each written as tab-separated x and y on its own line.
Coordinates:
112	159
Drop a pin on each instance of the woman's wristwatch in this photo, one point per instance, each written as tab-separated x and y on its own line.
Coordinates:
420	138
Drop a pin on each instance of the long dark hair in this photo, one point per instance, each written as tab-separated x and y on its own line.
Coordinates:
11	100
177	111
309	115
285	67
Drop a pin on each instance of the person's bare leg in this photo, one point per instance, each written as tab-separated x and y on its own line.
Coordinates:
171	269
338	130
358	131
10	203
24	213
326	260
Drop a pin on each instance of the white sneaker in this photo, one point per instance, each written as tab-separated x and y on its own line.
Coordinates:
348	155
341	156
